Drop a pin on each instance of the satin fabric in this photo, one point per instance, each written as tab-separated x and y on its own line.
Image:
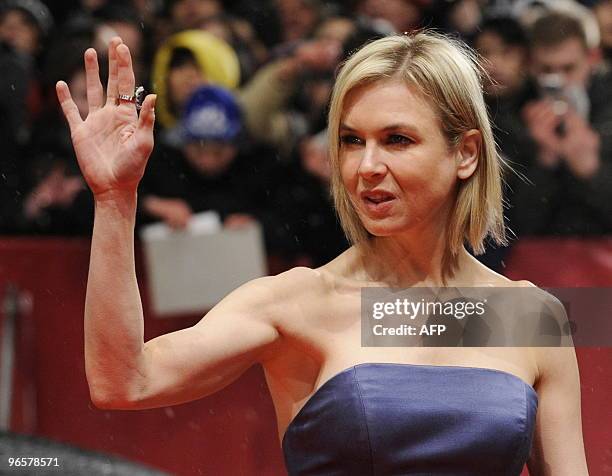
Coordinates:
413	419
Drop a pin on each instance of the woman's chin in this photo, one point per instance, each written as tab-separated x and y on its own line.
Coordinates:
382	227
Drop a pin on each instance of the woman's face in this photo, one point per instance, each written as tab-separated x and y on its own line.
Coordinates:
394	159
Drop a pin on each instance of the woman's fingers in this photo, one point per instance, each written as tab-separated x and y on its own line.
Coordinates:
126	79
71	111
95	94
113	68
147	113
146	120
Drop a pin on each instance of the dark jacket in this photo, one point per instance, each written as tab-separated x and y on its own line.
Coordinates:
556	202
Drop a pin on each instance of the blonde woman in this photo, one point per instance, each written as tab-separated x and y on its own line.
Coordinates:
415	176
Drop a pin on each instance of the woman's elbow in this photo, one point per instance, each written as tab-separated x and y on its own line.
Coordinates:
105	400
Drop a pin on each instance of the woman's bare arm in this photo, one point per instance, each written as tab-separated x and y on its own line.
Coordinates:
558	446
112	146
123	372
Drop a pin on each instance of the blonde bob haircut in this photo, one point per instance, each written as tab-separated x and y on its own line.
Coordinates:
447	73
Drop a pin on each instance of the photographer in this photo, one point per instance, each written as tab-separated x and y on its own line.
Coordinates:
568	154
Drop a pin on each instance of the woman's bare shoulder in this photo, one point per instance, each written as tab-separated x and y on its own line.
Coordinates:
288	283
492	278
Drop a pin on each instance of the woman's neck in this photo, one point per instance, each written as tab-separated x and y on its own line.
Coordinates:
402	263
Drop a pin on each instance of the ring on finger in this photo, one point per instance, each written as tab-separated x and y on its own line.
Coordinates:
137	98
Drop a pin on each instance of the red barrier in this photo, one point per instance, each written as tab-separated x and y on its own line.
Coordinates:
567	262
234	430
230	432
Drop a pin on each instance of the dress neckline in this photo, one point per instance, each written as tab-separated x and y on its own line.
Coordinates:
334	377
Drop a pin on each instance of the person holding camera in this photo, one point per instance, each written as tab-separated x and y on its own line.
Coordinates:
568	151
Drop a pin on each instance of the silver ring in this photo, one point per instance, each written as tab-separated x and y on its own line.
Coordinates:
126	97
137	99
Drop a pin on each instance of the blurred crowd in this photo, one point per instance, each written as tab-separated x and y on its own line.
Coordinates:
242	93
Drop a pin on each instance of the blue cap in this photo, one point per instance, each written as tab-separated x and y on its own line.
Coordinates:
211	114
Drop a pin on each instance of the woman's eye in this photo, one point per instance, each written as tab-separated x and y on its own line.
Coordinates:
350	140
398	139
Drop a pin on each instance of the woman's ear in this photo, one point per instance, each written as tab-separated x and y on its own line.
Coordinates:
468	153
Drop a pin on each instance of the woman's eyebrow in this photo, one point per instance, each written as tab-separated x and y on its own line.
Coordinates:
400	125
391	127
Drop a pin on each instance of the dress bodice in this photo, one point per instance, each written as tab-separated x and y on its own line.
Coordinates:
413	419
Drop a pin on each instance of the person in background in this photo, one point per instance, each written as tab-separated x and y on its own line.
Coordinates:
568	157
201	166
189	14
305	206
459	17
122	20
25	24
14	82
402	15
242	37
603	12
502	43
56	201
186	61
24	27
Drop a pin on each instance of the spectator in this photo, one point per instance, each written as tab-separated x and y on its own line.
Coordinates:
24	24
288	95
401	14
569	153
460	17
603	12
298	18
186	61
305	207
123	21
200	165
242	37
189	14
57	200
502	43
13	95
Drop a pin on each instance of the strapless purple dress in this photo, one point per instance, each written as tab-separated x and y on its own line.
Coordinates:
412	419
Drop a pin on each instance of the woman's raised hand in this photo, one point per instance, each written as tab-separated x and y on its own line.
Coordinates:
113	144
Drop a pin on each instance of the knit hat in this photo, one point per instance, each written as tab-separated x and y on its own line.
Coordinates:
211	114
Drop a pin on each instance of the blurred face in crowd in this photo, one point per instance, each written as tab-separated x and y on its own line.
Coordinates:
569	59
335	29
465	16
298	18
18	31
391	141
315	160
404	15
603	11
183	80
210	158
218	28
188	14
129	33
504	63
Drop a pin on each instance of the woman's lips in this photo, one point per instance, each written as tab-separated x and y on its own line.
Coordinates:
378	205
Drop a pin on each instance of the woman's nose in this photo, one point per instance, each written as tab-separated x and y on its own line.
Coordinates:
371	165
